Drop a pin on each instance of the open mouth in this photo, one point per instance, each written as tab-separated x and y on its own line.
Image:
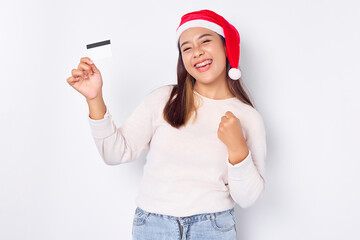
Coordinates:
204	65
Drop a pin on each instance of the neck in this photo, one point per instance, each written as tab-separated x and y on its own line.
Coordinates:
215	90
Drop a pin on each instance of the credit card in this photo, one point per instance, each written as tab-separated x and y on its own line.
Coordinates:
99	50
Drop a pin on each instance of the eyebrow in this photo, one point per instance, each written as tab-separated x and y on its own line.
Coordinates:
204	35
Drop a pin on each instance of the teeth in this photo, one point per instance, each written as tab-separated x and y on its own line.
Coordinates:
203	63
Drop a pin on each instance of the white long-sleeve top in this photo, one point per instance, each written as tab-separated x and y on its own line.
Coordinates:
187	170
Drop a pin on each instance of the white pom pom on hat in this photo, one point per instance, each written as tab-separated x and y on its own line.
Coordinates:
234	73
213	21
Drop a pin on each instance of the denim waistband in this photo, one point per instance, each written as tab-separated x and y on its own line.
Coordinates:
197	217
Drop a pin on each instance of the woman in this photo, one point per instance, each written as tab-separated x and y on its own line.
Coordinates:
206	141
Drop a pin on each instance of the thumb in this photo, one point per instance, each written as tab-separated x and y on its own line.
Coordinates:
94	68
229	113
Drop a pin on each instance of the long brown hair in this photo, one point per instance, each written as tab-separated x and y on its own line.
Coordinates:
181	105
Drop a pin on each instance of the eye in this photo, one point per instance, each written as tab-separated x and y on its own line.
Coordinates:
206	41
186	49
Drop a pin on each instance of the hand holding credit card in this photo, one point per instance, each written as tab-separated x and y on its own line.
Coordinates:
86	79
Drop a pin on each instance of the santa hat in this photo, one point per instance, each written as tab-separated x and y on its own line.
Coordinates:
213	21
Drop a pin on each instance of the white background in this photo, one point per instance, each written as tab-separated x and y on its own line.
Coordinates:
300	62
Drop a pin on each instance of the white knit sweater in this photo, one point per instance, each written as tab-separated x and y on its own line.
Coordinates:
187	170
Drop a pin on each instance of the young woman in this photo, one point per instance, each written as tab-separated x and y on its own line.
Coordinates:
205	139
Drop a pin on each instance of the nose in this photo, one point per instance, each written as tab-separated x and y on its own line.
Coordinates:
198	52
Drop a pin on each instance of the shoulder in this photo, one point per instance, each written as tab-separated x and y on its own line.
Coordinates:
252	117
162	91
256	121
160	94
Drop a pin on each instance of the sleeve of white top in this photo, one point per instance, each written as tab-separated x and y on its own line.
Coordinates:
247	178
123	144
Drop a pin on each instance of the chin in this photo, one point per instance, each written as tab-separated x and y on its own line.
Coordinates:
206	79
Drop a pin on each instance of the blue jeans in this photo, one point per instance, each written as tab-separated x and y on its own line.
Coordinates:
208	226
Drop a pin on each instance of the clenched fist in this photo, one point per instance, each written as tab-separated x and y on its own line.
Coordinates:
230	133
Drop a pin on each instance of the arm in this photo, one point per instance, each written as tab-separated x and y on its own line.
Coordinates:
247	177
123	144
97	107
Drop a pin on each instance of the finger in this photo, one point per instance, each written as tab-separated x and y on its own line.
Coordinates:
94	68
84	67
91	69
71	80
229	114
77	73
86	60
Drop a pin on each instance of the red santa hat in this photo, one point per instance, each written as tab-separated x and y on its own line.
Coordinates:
213	21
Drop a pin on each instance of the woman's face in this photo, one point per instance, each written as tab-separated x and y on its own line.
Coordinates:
204	54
